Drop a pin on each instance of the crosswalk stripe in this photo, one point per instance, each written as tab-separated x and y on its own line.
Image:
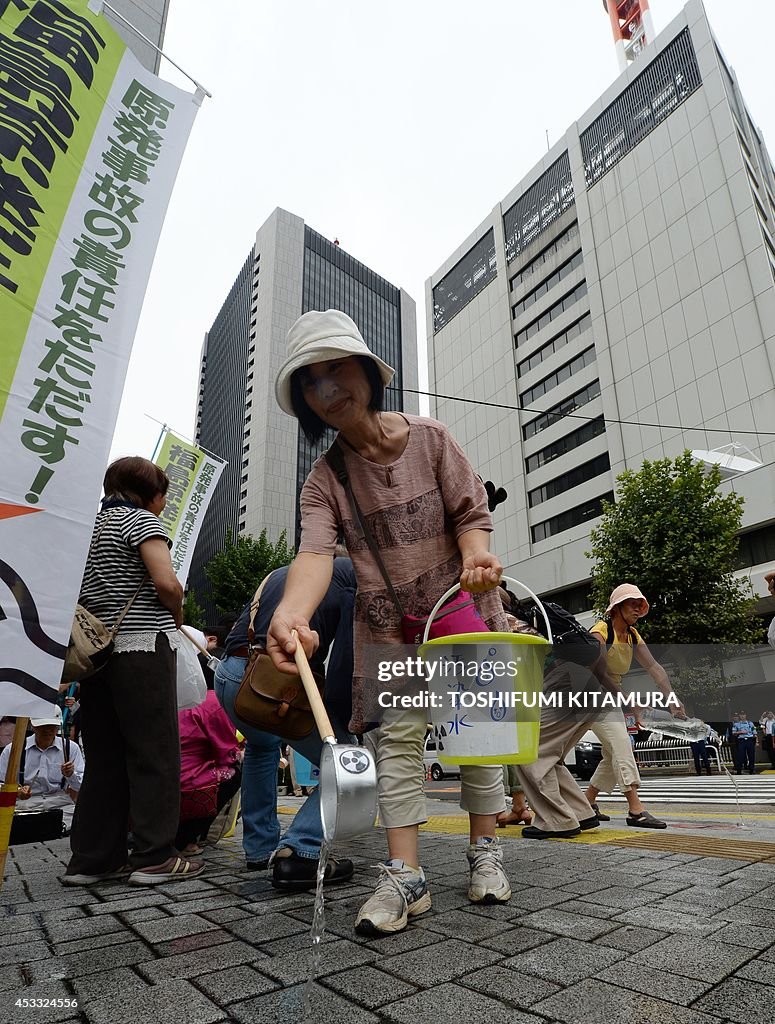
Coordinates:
744	789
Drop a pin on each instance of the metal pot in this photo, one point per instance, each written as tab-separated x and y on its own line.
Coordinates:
348	774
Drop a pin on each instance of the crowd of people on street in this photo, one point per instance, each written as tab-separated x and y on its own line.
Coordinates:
393	516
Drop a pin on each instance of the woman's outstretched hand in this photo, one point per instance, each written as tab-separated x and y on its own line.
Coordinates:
482	571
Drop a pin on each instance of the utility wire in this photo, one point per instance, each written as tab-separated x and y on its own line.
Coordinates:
579	416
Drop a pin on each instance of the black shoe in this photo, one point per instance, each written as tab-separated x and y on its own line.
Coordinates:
587	823
295	872
257	865
600	815
531	832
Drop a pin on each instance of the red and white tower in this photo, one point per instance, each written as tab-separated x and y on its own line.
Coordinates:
632	27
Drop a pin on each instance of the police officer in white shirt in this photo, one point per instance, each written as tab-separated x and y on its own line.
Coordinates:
52	768
770	581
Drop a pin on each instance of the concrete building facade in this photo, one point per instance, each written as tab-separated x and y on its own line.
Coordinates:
148	17
290	270
622	297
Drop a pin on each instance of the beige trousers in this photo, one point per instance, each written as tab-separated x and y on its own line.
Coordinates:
551	791
397	747
618	767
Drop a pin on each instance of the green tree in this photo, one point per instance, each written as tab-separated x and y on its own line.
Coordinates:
235	572
674	534
193	612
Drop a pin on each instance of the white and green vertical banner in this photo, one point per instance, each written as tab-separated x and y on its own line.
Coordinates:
90	145
193	475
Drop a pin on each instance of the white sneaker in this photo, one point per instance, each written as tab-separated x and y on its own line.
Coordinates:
401	893
489	883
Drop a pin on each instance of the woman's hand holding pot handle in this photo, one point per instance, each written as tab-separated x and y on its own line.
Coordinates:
280	645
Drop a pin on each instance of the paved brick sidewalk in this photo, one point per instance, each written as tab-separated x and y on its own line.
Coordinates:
592	934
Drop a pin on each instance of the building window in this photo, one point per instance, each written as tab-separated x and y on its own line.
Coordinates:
565	372
555	344
664	84
757	547
548	283
468	277
537	208
575	600
573	478
566	520
565	444
534	265
565	303
563	408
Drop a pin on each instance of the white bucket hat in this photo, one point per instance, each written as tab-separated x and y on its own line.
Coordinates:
315	337
627	592
55	718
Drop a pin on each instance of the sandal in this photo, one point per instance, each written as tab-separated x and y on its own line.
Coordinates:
601	816
176	869
506	818
645	820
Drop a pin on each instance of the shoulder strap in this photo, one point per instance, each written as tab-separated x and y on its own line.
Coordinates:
22	762
612	635
128	605
335	458
254	607
122	615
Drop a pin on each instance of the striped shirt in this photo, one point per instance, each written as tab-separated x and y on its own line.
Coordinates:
114	570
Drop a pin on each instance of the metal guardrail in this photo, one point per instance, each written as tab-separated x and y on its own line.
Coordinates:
667	752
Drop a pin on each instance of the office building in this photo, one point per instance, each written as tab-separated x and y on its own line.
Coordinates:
148	17
622	297
290	270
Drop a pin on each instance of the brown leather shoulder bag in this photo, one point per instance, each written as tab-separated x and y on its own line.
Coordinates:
269	699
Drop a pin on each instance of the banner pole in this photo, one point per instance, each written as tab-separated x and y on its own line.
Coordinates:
96	7
157	446
9	789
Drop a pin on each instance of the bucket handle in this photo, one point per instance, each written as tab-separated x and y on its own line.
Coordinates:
508	579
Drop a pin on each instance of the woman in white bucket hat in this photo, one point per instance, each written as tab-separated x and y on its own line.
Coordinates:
621	640
428	512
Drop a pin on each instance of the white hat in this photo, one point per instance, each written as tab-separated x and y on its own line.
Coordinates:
627	592
315	337
55	718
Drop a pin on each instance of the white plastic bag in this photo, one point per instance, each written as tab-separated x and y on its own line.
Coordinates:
192	688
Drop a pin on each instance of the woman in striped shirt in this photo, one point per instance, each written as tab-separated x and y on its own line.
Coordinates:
129	716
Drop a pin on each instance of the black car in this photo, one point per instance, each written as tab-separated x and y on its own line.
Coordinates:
585	756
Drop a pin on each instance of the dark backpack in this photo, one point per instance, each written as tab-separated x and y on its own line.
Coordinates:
571	641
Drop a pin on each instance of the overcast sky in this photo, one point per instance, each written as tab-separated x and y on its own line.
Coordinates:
392	127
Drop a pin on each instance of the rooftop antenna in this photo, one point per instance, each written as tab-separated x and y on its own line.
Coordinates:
632	28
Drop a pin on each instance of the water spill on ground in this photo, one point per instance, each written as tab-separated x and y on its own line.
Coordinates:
740	822
318	928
